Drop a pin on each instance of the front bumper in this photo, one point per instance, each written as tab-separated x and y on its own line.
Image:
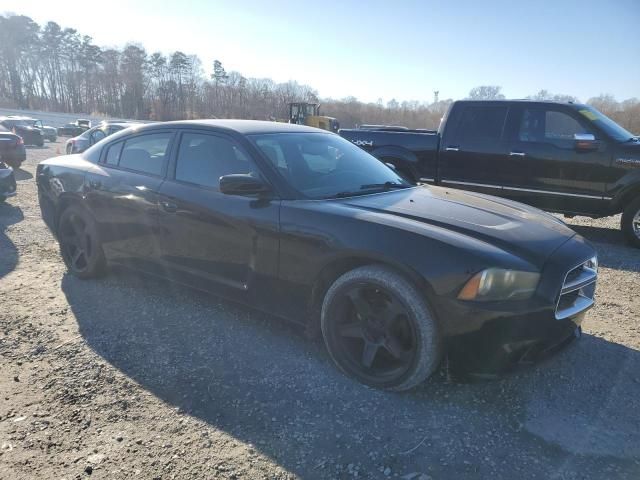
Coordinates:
493	337
7	182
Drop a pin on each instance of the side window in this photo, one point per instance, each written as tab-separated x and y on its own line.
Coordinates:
549	126
113	154
97	135
203	159
482	125
146	153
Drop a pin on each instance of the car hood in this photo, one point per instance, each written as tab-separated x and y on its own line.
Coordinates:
519	229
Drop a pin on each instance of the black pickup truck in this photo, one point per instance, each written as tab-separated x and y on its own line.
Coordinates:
561	157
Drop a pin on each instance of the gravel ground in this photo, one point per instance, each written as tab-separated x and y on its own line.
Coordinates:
131	377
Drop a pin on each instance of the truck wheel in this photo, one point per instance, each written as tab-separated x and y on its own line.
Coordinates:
630	223
378	328
80	246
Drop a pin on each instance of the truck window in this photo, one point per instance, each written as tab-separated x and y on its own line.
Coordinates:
482	125
549	126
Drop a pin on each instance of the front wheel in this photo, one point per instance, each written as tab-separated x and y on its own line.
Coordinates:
379	329
80	246
630	223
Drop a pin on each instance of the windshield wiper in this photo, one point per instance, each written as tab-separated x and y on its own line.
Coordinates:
366	189
385	186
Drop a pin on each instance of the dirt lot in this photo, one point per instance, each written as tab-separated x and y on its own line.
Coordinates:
130	377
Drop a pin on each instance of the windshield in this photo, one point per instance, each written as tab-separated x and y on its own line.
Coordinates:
320	165
610	127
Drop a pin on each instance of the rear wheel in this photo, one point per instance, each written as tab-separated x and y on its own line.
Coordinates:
80	246
630	223
378	329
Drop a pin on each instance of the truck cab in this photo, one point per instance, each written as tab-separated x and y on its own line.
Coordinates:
561	157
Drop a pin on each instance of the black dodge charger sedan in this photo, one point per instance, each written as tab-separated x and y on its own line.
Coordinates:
300	223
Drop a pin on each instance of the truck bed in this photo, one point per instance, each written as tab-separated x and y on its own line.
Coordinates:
417	148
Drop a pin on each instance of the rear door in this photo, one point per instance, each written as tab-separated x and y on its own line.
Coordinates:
123	194
474	154
555	176
209	239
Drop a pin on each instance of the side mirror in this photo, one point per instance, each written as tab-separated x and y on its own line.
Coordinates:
390	165
585	142
242	184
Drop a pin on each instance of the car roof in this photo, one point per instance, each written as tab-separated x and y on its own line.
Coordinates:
523	100
245	127
15	117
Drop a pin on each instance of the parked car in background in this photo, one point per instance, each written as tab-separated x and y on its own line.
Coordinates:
561	157
12	151
70	130
24	127
299	222
83	123
83	141
48	132
74	129
7	182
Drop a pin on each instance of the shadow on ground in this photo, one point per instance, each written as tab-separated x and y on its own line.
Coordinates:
21	174
259	380
9	215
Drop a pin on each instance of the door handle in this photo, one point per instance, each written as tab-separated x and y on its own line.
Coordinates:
517	154
169	207
95	184
452	149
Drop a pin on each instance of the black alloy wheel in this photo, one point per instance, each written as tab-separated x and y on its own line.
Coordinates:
379	329
79	245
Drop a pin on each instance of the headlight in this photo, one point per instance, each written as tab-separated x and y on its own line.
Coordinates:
499	284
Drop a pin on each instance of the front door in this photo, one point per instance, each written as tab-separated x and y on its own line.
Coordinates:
555	175
210	239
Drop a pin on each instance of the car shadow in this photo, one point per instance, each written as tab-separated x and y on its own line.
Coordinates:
9	215
259	380
613	251
22	174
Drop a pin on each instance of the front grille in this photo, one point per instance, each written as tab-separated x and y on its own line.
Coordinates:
578	290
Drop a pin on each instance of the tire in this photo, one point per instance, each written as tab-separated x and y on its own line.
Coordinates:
630	223
15	164
80	246
397	346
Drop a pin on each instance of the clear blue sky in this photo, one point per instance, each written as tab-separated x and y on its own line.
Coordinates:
383	49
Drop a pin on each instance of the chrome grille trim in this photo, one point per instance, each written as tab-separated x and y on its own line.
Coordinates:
578	290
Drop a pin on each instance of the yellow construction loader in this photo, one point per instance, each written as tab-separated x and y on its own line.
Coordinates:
303	113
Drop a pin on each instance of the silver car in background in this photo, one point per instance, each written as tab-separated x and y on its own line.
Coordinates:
92	136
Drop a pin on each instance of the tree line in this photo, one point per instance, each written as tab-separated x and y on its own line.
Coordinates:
48	67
